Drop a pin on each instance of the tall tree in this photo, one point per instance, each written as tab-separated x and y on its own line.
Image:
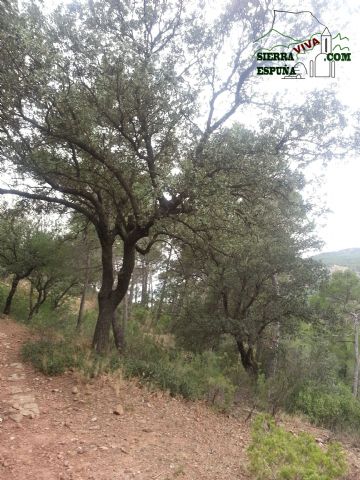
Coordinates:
107	108
99	103
258	232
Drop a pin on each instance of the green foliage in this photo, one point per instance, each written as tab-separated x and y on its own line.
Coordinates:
55	357
163	324
140	313
193	376
20	305
52	358
334	408
276	454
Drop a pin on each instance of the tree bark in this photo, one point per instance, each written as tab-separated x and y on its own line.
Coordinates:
104	322
126	310
80	318
41	298
247	356
109	298
119	332
14	284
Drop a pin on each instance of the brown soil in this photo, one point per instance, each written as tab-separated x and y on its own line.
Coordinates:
77	435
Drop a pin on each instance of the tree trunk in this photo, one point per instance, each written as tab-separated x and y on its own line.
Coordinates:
119	332
247	356
14	284
104	322
131	297
83	293
126	310
41	298
357	357
110	298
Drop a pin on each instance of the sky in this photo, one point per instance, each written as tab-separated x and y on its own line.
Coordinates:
341	184
339	191
340	188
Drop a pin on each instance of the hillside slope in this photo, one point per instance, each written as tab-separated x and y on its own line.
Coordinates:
349	257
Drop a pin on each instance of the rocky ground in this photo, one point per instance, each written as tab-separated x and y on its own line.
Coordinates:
65	428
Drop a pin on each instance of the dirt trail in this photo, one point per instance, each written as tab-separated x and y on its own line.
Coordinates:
63	428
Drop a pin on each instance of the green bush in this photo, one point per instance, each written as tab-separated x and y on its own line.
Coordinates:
52	358
335	409
193	376
276	454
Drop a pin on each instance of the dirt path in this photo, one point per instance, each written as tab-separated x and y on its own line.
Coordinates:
63	428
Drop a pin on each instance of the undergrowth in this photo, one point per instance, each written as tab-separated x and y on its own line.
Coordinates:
276	454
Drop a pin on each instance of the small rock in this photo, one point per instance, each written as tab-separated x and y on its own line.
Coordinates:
74	390
16	417
15	389
94	419
16	365
104	448
16	377
118	410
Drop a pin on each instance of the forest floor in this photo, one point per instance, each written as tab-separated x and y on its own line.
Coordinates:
67	428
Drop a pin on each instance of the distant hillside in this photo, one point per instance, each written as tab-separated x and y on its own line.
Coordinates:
349	257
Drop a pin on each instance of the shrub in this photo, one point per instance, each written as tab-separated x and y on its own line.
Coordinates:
334	409
193	376
276	454
51	358
54	358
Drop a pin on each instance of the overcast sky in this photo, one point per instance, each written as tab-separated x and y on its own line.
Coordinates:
341	179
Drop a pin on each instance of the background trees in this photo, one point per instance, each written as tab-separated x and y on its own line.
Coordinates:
21	248
338	304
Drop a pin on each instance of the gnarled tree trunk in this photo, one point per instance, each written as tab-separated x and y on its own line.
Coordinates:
14	284
247	356
109	297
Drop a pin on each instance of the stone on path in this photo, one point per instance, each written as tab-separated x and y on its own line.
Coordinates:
22	401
